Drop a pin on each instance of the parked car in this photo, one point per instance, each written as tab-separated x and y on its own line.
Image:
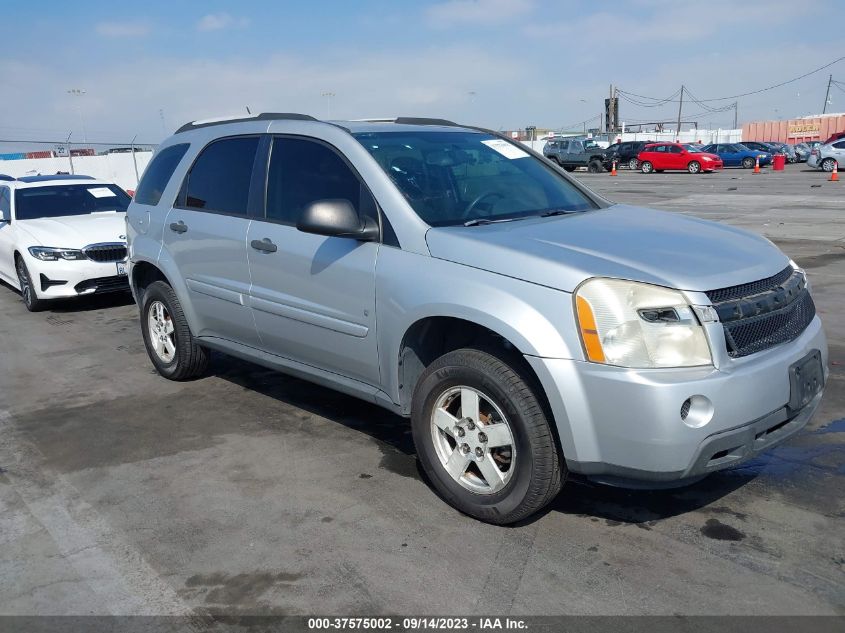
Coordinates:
737	155
62	236
826	156
802	150
657	157
528	327
573	154
624	154
784	148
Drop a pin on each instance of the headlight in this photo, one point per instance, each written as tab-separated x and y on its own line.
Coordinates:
52	254
706	158
637	325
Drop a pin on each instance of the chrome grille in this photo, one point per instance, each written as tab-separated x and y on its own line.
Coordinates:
111	252
765	313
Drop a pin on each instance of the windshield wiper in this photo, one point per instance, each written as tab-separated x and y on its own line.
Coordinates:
551	212
480	221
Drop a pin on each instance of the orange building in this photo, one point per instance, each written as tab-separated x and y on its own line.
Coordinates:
812	128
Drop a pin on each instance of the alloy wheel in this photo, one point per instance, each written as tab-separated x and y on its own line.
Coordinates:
23	279
473	440
161	331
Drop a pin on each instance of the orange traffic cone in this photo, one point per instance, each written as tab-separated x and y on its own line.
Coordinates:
834	175
757	165
613	169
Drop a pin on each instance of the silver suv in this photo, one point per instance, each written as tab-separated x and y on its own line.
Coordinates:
527	327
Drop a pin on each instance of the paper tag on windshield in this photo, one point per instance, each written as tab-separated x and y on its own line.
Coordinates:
102	192
505	149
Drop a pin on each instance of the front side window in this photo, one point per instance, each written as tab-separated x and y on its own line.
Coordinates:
220	177
55	201
158	173
302	171
575	147
453	177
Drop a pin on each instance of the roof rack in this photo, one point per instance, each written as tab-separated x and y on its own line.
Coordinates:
410	120
7	177
264	116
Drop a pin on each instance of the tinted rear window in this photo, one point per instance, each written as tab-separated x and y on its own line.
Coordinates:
62	200
158	174
219	179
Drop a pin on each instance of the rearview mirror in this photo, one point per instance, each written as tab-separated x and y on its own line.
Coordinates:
336	218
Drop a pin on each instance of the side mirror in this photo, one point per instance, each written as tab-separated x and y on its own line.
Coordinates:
336	218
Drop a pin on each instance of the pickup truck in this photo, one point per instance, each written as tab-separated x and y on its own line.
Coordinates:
570	154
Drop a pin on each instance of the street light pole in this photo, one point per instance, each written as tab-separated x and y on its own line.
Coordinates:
79	92
328	96
680	107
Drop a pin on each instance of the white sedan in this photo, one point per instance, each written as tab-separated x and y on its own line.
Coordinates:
62	236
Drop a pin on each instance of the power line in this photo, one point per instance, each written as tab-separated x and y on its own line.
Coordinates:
65	142
744	94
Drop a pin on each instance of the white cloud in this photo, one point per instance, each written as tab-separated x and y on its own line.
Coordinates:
220	21
475	12
123	29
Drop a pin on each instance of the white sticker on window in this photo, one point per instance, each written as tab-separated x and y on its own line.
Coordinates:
102	192
506	149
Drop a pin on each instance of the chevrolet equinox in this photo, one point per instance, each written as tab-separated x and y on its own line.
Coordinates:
528	327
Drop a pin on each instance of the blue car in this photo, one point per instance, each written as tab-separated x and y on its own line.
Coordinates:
737	155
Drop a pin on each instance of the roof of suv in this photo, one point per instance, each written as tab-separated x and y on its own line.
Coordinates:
395	124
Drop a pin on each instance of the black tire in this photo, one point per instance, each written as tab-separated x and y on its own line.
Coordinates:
827	164
30	299
633	164
539	472
694	167
190	359
595	167
747	162
569	167
646	167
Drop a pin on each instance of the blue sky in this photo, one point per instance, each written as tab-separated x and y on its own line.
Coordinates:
498	63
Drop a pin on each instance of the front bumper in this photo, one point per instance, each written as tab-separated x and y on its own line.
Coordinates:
62	279
624	426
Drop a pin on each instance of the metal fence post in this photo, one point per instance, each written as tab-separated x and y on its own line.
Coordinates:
69	155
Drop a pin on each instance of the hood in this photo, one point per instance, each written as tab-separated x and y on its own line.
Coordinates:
621	241
76	231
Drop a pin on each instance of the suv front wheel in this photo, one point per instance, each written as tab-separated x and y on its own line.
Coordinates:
167	337
483	437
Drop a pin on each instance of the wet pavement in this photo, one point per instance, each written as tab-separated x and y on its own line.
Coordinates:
247	491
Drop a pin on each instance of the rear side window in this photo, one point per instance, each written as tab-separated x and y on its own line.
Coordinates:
158	174
303	171
220	177
5	203
839	145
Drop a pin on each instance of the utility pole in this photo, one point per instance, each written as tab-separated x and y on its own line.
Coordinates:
827	94
680	107
736	106
79	93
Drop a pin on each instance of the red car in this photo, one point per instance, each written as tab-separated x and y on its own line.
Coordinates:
686	157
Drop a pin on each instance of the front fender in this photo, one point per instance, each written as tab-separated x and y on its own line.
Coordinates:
537	320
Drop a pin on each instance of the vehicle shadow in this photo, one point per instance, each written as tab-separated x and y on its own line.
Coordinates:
392	434
84	303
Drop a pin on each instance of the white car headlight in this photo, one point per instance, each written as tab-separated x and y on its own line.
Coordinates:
638	325
52	254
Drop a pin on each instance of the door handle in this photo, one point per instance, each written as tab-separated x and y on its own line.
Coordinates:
265	245
178	227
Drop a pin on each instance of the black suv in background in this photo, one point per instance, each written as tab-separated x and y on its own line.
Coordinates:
624	154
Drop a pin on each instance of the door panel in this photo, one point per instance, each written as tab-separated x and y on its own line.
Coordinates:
205	235
313	299
313	296
211	258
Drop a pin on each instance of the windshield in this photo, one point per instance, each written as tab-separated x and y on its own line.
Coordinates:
61	200
451	178
588	144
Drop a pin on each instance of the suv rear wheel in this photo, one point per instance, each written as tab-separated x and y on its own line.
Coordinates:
633	164
167	337
483	437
